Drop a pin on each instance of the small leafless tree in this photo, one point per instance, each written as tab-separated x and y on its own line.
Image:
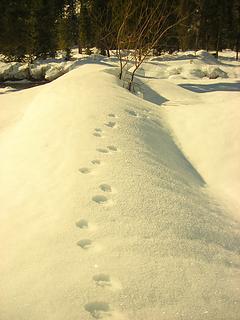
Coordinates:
140	31
123	39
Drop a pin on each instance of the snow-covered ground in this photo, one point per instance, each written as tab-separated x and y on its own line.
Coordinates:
118	207
188	65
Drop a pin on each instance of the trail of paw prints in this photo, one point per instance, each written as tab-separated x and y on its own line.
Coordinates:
107	149
85	244
98	309
98	132
102	199
111	124
96	162
132	113
103	280
102	150
103	310
112	148
112	115
85	170
105	187
82	224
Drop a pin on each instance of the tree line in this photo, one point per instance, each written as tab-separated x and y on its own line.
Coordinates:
39	28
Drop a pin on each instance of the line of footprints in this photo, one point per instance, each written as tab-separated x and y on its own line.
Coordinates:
99	309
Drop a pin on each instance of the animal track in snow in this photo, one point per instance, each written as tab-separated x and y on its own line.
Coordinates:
112	115
105	281
96	161
98	130
102	280
110	124
105	187
97	134
85	243
100	199
82	224
98	309
132	113
112	148
102	150
85	170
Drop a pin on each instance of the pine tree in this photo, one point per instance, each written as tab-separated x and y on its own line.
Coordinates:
46	13
40	27
17	23
236	26
101	16
85	27
67	27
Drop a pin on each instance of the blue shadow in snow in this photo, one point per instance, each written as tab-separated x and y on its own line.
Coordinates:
202	88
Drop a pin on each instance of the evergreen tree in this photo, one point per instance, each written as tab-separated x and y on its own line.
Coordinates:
101	16
236	27
67	27
46	13
17	23
39	28
85	27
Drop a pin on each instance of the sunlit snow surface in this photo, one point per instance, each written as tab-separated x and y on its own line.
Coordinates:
109	203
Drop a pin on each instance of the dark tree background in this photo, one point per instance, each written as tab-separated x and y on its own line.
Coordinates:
38	28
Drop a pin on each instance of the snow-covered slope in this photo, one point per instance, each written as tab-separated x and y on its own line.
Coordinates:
188	65
102	215
209	133
205	120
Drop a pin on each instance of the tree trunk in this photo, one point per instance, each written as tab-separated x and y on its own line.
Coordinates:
196	41
218	44
79	48
237	46
130	85
207	41
103	51
121	64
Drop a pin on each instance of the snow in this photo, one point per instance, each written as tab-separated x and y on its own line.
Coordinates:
118	207
189	65
209	133
37	71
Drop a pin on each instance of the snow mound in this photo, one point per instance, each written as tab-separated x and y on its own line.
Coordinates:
172	71
140	71
193	69
14	71
180	65
54	71
206	57
216	133
192	72
102	214
215	72
36	71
